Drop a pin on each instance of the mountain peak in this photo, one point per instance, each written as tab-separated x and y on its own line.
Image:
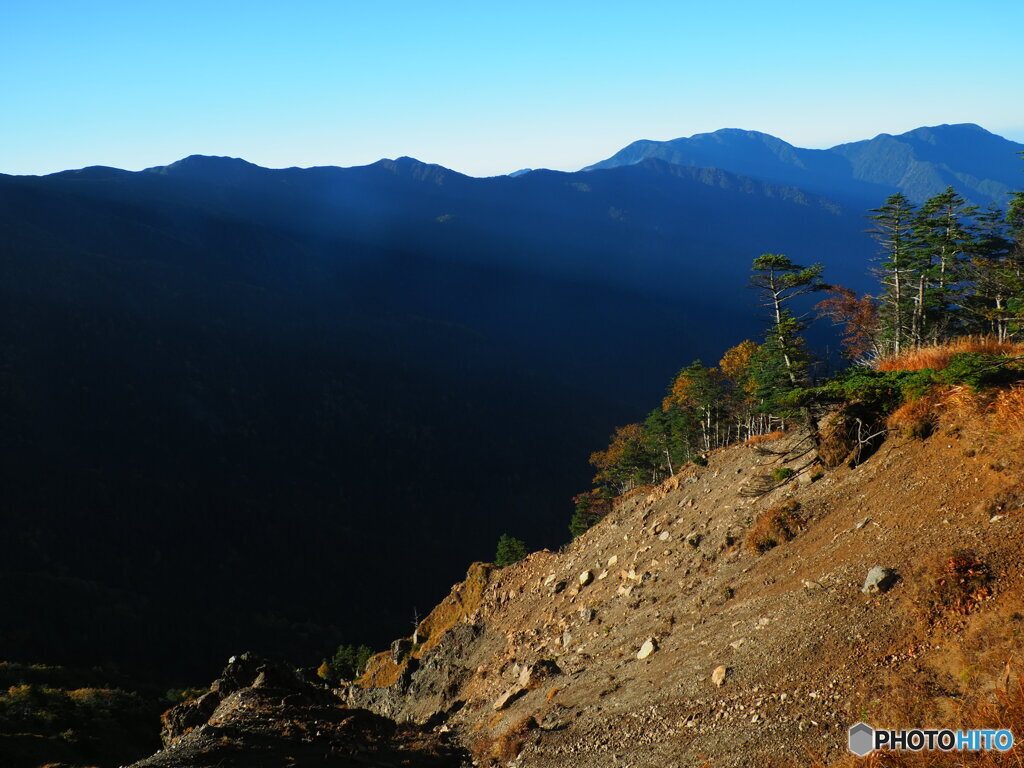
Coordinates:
919	163
205	162
210	168
416	169
91	173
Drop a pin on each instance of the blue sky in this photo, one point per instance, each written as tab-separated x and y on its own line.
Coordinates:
485	87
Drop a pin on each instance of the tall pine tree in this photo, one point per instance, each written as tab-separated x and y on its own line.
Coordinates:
893	231
942	240
996	272
780	281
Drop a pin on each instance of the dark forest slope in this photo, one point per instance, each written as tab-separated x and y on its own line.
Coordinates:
240	404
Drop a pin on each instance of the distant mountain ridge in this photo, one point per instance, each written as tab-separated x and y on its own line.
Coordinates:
301	360
981	165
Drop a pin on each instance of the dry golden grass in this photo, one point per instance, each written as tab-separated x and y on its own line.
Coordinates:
381	671
917	418
464	600
1009	408
938	356
920	417
765	438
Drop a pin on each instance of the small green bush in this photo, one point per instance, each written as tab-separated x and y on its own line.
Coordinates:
348	663
178	695
510	550
980	371
781	474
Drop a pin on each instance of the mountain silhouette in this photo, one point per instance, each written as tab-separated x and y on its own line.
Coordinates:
919	163
324	390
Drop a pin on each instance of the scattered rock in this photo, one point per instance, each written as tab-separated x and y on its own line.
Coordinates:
650	646
879	579
694	539
585	578
555	720
559	586
530	676
503	701
719	675
737	644
663	536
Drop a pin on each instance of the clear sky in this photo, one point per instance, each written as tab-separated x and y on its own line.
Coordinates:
485	87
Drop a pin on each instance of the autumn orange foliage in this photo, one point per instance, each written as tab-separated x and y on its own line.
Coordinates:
857	315
937	356
735	365
622	440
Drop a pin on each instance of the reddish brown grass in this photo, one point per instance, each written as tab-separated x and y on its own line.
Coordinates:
765	438
775	526
937	356
961	405
998	709
505	747
953	584
917	418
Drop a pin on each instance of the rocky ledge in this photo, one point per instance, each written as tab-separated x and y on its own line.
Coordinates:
260	714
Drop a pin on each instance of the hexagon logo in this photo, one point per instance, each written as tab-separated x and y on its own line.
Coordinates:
861	739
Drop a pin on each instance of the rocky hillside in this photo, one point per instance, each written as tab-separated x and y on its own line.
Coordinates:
735	615
709	620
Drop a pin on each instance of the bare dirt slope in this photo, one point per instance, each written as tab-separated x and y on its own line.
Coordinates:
537	664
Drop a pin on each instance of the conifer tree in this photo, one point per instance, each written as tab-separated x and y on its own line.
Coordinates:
510	550
698	389
893	231
668	433
780	281
589	508
942	239
996	271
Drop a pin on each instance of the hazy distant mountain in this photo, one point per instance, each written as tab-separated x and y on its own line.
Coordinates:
325	389
981	165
